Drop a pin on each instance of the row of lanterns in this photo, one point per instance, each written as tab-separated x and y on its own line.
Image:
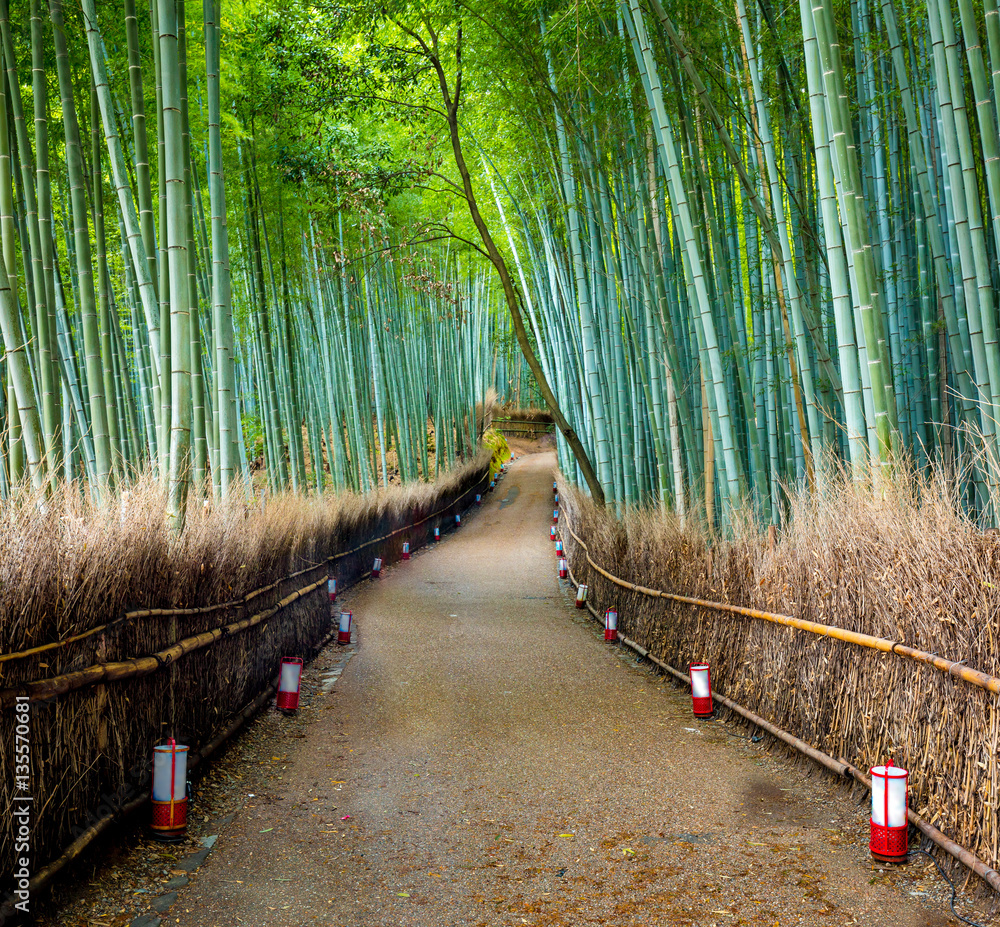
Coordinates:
889	823
169	796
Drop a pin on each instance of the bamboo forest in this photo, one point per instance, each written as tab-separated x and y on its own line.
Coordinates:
730	253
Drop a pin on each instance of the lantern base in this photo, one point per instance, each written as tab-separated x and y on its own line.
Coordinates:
343	637
562	574
169	819
702	706
610	636
580	604
889	844
287	701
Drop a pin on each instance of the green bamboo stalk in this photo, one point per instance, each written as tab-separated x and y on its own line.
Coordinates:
178	471
83	254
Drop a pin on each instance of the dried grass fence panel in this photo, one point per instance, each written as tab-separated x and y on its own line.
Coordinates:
90	746
933	584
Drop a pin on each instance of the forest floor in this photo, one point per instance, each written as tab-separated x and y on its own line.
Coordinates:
484	758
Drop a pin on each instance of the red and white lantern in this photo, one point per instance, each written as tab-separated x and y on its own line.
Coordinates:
344	628
479	499
512	457
288	684
556	500
559	548
555	516
331	588
581	595
701	690
406	550
377	568
552	533
611	625
437	534
555	488
889	823
458	521
563	569
169	793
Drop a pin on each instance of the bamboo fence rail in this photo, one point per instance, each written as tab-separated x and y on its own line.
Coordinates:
839	767
952	667
853	698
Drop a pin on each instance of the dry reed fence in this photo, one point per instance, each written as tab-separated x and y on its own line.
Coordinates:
76	568
906	567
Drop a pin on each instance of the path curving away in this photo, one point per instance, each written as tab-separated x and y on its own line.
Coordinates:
486	759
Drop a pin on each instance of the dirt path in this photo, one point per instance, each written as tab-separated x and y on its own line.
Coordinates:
486	759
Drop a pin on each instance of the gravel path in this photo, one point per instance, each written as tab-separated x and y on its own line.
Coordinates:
485	759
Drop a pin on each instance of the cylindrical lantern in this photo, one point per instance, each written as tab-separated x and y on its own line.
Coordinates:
344	629
377	568
889	824
288	684
331	587
479	499
555	487
563	569
556	500
437	534
555	516
701	690
406	550
458	520
559	548
611	625
169	795
552	533
581	595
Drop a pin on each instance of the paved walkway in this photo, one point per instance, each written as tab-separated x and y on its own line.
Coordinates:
485	759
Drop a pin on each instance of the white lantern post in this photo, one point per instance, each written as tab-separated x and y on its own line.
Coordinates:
889	821
611	625
331	588
563	568
406	550
169	794
559	548
581	595
377	568
555	516
344	629
701	690
552	533
288	684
